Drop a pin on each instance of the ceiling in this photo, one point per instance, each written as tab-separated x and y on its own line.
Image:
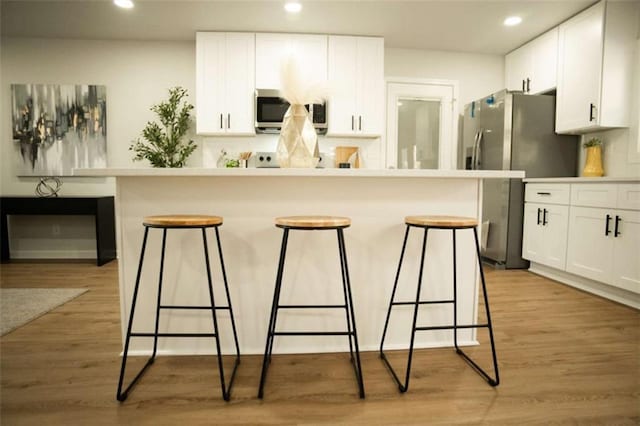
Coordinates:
455	25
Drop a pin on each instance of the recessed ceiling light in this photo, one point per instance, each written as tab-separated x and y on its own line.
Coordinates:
125	4
512	20
292	7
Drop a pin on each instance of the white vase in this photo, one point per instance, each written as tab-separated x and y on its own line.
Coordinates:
298	141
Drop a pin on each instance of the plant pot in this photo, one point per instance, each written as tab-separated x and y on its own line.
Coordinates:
593	163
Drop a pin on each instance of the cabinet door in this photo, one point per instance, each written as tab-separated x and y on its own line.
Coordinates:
210	78
517	67
239	83
556	224
580	70
590	251
309	50
626	253
370	85
533	233
544	62
342	79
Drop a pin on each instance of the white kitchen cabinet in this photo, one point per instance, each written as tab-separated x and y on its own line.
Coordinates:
595	66
356	77
532	67
546	214
604	234
309	50
225	76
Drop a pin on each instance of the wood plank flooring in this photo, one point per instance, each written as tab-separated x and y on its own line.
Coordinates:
565	357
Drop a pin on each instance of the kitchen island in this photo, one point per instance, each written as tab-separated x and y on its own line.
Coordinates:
249	199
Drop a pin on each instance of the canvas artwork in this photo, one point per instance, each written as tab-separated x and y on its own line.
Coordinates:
57	128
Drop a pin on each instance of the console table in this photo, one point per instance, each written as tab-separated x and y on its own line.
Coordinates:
101	208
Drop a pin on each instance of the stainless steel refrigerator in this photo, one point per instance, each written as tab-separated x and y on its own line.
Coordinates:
512	131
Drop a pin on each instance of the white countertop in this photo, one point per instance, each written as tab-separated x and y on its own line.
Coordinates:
603	179
265	172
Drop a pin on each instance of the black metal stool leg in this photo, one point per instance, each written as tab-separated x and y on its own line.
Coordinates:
155	334
225	392
491	381
233	322
455	294
393	292
351	311
346	303
274	310
120	395
404	387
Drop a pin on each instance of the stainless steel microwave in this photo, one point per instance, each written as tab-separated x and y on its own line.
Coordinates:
270	109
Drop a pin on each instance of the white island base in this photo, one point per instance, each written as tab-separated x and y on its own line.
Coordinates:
249	200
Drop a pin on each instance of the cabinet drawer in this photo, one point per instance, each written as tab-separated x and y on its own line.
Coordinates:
594	195
629	196
550	193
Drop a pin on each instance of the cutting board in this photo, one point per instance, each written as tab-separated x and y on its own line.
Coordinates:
344	152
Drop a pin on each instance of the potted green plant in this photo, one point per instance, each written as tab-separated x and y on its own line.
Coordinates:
593	163
163	145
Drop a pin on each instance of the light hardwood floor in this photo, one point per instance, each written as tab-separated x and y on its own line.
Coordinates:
565	357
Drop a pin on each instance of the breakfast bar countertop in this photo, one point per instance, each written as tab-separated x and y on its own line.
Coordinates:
328	172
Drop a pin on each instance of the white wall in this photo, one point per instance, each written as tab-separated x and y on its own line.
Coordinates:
478	75
137	75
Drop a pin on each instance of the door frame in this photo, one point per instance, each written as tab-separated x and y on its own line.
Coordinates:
448	155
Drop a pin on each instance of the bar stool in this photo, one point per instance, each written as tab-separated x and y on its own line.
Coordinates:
180	222
314	223
452	223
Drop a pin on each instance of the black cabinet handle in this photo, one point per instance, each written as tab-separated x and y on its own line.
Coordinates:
352	123
228	120
359	122
523	87
544	217
617	225
544	193
528	83
538	221
592	107
606	226
221	121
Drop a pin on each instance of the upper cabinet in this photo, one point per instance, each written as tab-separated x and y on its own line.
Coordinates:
532	67
595	66
225	76
356	75
310	51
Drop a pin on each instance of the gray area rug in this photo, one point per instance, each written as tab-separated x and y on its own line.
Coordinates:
19	306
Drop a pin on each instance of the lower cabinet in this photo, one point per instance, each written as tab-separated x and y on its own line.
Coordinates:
545	234
604	245
588	230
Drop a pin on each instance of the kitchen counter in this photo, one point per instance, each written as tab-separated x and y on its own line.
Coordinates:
606	179
276	172
249	199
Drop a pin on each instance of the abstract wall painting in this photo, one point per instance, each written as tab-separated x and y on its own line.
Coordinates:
57	128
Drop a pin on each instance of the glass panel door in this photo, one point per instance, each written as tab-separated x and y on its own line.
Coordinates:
418	133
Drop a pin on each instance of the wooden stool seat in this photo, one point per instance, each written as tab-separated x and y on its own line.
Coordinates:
441	221
319	222
186	220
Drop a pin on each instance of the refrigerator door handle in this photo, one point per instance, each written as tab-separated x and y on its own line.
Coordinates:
476	164
473	151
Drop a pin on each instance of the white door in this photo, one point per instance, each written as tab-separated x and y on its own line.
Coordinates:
210	80
580	70
421	125
533	233
590	246
544	62
239	83
343	76
370	94
626	253
517	68
556	223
